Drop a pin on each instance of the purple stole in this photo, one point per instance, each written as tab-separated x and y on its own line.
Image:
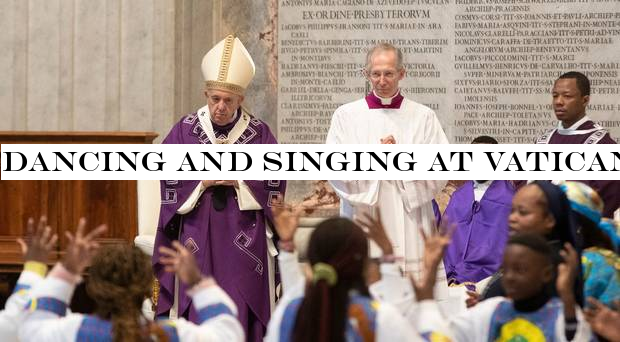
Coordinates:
481	231
229	244
609	190
375	103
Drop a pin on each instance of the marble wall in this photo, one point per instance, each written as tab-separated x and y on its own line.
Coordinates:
255	23
102	65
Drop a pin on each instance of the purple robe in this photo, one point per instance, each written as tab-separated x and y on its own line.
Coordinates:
230	244
609	190
477	245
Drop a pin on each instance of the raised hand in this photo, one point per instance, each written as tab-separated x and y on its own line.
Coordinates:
286	219
81	247
376	232
603	320
182	262
388	140
434	247
39	242
567	271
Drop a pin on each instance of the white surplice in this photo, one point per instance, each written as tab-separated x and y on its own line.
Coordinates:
405	206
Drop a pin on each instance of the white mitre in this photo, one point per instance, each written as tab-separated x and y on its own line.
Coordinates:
228	66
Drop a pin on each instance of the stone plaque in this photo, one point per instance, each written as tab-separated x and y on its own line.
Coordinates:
485	66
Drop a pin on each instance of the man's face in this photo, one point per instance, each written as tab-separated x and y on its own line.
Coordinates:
383	74
222	105
568	103
525	272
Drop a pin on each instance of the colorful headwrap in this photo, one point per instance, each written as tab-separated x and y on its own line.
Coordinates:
587	202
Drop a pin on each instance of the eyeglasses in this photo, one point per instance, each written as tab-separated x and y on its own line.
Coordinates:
389	75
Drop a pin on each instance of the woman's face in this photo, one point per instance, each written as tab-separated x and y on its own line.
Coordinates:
529	212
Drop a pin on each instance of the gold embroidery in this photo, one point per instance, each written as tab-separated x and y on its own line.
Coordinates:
226	56
233	88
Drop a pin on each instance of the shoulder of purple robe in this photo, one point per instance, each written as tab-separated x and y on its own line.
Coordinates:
607	139
187	131
261	132
543	139
586	125
463	197
466	189
500	192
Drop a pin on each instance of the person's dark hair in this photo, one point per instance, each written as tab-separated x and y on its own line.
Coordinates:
534	242
484	139
121	277
323	313
565	229
592	235
583	83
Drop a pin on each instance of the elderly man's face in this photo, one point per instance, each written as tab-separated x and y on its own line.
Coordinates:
569	104
222	105
383	73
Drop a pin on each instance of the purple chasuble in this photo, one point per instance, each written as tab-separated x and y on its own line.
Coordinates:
229	244
477	245
375	103
558	138
609	190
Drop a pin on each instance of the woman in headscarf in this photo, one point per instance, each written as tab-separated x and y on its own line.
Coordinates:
542	208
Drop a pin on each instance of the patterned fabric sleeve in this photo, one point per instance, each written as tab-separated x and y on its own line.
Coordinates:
217	318
45	315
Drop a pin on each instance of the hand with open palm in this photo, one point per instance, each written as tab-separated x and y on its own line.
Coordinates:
181	261
434	246
39	241
81	247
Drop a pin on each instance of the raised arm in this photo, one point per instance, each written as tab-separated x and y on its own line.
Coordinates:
45	319
216	310
35	250
286	221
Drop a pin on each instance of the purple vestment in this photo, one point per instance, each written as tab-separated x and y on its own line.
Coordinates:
609	190
375	103
477	245
229	244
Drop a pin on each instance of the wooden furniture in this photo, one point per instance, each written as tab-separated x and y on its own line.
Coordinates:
64	202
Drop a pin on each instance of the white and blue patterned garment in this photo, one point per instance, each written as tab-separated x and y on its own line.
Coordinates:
45	317
364	305
495	319
385	321
11	316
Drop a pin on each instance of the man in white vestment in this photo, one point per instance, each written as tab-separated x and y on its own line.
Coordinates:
386	117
